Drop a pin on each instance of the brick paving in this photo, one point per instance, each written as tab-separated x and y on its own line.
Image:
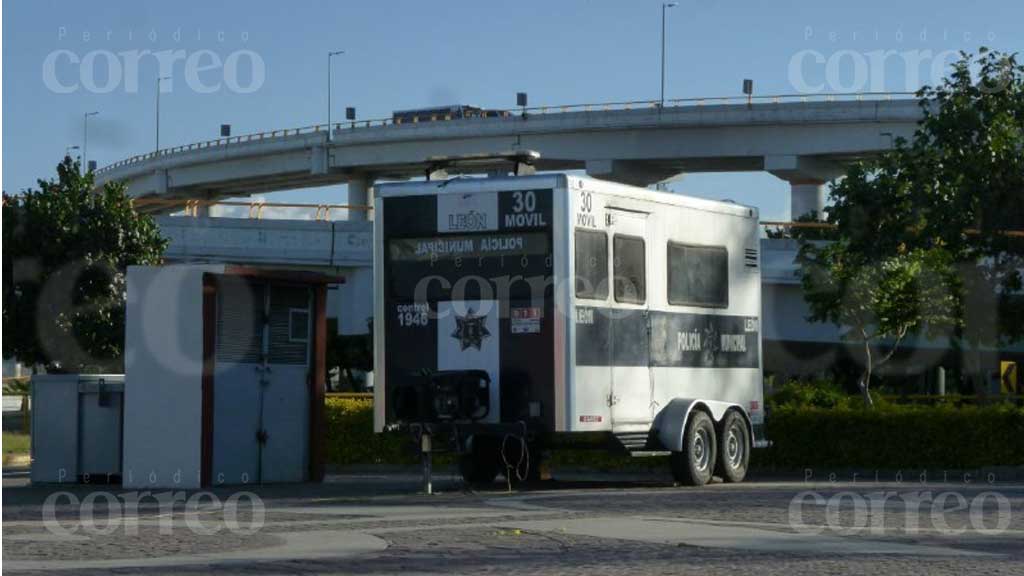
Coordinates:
378	524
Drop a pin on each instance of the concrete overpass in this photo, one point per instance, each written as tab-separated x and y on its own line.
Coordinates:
802	139
342	248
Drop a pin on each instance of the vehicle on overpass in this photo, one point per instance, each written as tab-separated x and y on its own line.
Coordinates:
450	112
513	312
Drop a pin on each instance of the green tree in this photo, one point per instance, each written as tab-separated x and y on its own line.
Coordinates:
922	232
65	252
967	160
967	157
878	299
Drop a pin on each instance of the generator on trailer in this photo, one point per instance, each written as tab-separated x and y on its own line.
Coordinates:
530	307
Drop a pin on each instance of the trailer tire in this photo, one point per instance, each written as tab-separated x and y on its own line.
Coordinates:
733	448
695	465
480	465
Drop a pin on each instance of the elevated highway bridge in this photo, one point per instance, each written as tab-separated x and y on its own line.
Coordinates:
805	140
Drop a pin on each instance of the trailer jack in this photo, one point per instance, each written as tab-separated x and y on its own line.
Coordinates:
426	449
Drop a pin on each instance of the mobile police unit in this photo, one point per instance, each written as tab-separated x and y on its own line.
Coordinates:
532	307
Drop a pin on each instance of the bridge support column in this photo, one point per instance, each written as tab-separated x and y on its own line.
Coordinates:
805	198
807	177
202	207
360	193
628	172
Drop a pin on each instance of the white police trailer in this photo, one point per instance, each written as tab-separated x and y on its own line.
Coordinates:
540	306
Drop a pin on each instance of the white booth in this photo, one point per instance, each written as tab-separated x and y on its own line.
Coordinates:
224	376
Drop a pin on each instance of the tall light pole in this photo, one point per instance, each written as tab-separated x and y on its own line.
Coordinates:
68	149
664	6
85	140
158	81
329	56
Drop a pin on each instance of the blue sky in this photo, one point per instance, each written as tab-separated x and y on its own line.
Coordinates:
406	54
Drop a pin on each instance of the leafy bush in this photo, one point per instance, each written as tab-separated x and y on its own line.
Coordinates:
895	437
16	443
799	394
17	386
890	436
821	393
351	440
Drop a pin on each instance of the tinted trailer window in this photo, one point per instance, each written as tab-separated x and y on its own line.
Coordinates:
698	275
630	269
591	264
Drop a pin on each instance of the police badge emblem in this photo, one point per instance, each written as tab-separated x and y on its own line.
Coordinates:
470	330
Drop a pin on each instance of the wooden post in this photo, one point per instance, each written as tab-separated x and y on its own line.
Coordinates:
425	451
209	341
318	383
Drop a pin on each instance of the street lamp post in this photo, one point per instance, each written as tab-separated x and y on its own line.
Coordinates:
158	81
85	140
329	56
68	149
664	6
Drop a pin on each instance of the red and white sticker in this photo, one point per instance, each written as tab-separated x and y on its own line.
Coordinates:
525	320
591	419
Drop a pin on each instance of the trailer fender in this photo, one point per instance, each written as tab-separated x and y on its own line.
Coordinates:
670	423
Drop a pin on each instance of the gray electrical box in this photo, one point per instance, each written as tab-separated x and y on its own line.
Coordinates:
77	427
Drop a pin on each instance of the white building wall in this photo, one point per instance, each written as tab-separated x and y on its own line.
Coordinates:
163	376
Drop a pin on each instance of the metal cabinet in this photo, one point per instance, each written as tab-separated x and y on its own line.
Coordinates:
77	427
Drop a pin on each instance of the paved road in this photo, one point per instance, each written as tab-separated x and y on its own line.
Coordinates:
378	523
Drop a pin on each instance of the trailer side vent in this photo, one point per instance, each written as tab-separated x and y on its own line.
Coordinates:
750	257
634	441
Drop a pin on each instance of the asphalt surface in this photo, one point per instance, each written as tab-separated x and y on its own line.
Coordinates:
585	523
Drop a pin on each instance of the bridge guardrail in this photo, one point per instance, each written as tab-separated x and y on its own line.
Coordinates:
766	224
512	113
256	208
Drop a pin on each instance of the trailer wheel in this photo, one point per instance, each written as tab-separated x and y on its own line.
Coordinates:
480	464
696	463
733	448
